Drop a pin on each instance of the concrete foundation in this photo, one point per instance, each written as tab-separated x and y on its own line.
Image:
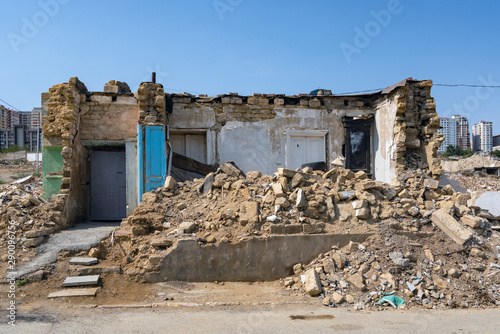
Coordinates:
255	259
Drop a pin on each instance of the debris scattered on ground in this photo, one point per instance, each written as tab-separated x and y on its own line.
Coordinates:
441	265
477	181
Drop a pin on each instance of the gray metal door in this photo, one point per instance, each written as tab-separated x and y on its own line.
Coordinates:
107	185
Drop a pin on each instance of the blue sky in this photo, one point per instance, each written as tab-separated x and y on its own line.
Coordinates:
288	47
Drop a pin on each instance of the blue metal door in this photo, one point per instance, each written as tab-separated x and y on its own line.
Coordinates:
152	157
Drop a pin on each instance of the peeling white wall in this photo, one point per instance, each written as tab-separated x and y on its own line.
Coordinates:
383	141
259	145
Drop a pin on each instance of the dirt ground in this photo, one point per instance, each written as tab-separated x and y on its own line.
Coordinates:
11	172
127	290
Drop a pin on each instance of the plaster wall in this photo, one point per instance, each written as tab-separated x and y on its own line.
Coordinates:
255	136
383	143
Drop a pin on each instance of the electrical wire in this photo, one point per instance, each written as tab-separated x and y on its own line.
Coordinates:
466	85
10	105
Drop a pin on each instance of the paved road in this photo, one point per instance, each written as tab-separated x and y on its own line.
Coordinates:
263	319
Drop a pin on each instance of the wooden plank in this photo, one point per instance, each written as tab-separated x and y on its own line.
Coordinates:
183	162
81	280
83	261
87	292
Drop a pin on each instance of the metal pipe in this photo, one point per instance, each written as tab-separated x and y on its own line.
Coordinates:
153	77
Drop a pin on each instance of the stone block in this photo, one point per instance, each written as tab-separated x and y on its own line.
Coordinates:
312	283
357	282
431	183
286	229
249	212
296	180
162	242
170	183
340	259
313	228
363	213
450	226
278	190
472	221
301	199
187	227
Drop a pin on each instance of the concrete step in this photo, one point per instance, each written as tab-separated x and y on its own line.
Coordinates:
86	292
81	280
96	270
84	261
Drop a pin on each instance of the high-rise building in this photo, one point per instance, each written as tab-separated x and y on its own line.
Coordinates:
463	134
25	118
496	140
5	118
36	117
482	136
449	131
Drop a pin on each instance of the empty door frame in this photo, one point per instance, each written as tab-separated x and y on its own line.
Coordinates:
209	147
358	144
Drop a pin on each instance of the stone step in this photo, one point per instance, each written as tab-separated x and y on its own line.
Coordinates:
84	261
96	270
81	280
86	292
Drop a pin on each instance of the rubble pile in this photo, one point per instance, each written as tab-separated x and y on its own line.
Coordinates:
428	245
430	272
34	218
462	164
476	181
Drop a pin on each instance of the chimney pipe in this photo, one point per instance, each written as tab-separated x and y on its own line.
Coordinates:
153	77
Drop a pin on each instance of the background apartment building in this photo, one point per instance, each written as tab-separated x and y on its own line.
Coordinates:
449	131
482	136
19	128
463	133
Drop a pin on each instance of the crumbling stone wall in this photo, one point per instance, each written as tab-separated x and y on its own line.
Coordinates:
151	100
109	117
416	135
60	128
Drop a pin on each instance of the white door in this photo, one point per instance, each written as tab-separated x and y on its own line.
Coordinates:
193	146
305	147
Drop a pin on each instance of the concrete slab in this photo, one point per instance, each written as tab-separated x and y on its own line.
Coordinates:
86	292
84	261
254	259
81	280
489	201
451	227
444	181
80	237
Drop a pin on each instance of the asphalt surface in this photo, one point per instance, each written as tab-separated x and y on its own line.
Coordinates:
267	319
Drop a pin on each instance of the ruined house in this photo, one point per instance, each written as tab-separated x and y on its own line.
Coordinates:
103	150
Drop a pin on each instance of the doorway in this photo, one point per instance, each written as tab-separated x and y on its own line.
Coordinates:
358	145
108	196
